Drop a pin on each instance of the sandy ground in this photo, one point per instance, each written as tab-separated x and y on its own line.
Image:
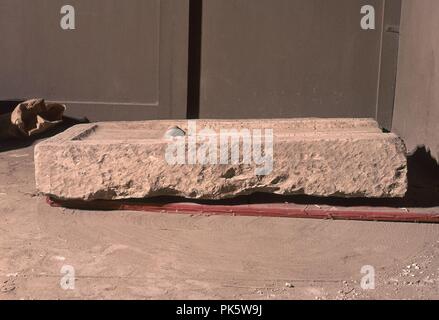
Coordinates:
132	255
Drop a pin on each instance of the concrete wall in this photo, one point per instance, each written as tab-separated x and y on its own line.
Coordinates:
416	115
293	58
125	60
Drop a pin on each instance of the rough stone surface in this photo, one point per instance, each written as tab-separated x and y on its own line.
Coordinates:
319	157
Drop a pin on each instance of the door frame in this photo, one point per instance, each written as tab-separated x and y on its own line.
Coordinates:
173	69
386	82
391	20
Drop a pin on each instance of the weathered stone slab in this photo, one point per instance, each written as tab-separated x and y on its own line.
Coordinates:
319	157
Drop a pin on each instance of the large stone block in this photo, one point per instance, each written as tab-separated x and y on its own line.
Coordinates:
319	157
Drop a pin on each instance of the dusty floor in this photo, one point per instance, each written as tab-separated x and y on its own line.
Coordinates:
131	255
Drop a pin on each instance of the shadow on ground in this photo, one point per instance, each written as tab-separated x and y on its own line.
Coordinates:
13	144
8	106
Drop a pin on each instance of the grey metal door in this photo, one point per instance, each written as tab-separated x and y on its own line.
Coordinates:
297	58
125	60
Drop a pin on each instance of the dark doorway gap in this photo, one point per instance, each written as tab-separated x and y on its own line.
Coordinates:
194	63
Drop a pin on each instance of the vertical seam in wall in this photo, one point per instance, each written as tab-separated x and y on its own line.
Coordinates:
194	58
380	58
394	89
396	67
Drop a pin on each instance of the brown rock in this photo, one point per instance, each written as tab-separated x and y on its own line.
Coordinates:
320	157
